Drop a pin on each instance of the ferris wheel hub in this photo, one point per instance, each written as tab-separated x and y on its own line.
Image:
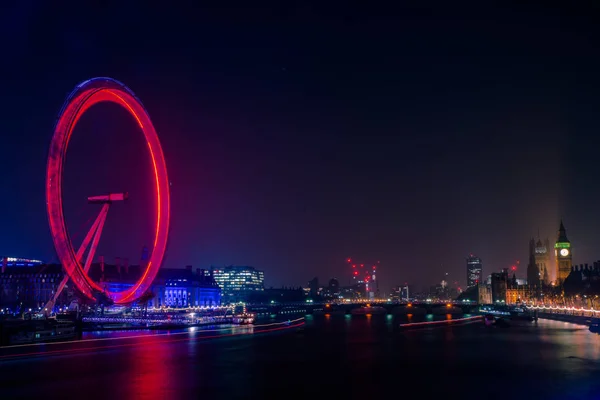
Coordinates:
108	198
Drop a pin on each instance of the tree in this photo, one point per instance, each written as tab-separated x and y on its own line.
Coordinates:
143	301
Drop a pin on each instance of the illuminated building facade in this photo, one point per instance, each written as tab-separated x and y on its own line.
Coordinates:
26	283
484	294
238	282
474	271
172	287
562	252
519	294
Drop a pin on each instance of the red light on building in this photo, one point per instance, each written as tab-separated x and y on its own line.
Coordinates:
355	272
353	265
362	265
349	260
514	268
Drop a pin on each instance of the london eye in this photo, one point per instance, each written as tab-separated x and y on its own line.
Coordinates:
84	96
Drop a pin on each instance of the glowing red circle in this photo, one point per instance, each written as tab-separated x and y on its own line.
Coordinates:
85	95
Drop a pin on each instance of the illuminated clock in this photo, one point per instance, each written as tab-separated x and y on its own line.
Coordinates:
564	252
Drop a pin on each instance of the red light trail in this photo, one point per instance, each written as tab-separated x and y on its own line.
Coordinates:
172	338
442	323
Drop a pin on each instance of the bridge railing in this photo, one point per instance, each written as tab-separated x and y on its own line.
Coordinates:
580	311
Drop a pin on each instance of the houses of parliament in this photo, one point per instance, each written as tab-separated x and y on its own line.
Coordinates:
541	271
550	275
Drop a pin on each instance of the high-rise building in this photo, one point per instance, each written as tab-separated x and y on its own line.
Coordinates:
562	251
334	287
237	282
474	270
313	287
405	292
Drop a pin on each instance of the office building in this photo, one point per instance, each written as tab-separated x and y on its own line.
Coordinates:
474	271
238	282
26	283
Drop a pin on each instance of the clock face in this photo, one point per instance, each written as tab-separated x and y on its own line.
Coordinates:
564	252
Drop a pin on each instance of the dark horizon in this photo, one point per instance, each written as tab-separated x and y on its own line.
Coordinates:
298	136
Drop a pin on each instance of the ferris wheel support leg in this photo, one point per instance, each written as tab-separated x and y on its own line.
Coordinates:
102	219
90	235
93	232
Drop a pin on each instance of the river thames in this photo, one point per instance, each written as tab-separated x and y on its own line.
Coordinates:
325	357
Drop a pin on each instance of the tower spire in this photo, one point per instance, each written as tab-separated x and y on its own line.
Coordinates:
562	233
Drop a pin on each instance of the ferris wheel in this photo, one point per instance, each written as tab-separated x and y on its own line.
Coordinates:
84	96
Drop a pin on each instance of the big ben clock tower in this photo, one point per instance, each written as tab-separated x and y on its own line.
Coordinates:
562	251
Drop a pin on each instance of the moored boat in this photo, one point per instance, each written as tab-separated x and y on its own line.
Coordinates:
243	319
36	331
368	310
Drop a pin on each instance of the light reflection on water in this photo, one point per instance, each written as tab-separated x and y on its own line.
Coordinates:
548	359
389	320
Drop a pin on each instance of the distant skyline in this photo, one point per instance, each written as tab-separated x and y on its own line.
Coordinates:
297	136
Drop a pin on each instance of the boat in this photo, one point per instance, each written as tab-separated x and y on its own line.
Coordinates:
595	325
489	319
368	310
329	311
243	319
35	331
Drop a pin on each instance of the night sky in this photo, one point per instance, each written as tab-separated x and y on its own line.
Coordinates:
296	137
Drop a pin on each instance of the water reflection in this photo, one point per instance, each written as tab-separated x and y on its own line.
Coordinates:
550	360
149	371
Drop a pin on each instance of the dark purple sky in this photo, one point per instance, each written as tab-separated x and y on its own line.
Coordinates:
296	137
